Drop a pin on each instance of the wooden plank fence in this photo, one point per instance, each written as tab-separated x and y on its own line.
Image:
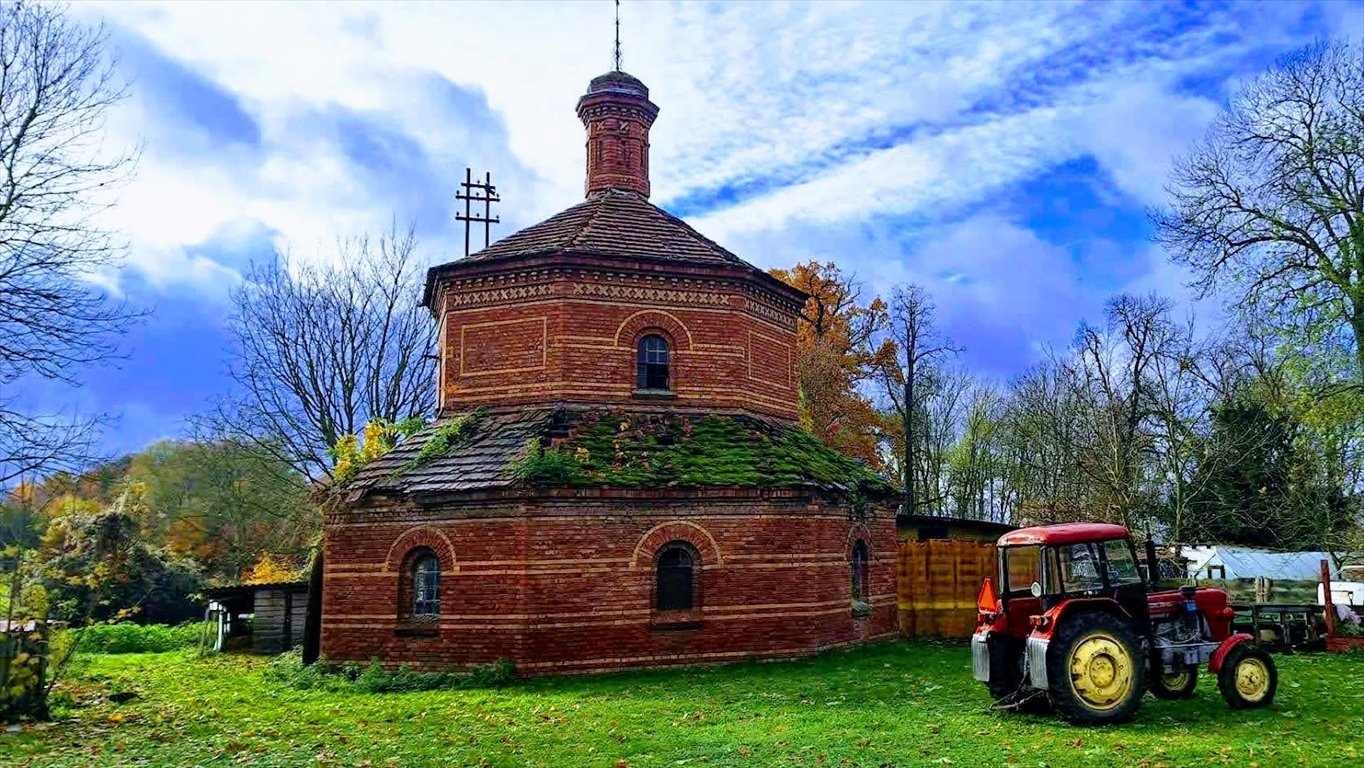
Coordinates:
937	585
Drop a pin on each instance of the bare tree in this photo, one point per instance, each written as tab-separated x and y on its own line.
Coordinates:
1273	199
912	347
1042	445
56	85
323	349
1113	368
974	461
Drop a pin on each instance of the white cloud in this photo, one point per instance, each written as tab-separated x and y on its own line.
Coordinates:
818	114
1138	130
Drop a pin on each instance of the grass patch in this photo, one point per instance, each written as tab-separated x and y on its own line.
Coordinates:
652	450
444	437
895	705
288	668
126	637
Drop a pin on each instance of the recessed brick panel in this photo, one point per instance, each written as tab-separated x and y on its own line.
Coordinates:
503	346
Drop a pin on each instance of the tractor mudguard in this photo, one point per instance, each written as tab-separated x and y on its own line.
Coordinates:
1219	655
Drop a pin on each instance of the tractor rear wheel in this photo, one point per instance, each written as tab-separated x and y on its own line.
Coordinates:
1174	685
1248	678
1094	673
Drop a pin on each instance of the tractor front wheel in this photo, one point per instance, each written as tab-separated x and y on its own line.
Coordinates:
1174	685
1094	673
1248	678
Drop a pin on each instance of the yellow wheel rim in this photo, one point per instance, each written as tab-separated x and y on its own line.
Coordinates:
1101	671
1175	681
1252	679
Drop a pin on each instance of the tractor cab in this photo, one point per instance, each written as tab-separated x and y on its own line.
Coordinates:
1077	624
1041	568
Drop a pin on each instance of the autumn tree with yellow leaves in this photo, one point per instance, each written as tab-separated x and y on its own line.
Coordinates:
834	356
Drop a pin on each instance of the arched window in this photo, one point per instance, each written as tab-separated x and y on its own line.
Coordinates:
676	565
424	573
860	571
652	372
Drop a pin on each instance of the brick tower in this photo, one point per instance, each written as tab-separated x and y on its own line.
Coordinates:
617	114
616	477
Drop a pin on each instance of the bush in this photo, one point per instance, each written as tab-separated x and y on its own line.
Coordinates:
126	637
289	669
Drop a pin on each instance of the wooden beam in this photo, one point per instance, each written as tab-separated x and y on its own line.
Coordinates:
1326	599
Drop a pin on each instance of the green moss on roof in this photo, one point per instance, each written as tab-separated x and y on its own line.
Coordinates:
651	450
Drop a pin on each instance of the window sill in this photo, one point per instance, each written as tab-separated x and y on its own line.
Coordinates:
675	621
417	628
655	394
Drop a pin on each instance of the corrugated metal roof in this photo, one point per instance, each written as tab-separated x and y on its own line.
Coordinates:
1231	562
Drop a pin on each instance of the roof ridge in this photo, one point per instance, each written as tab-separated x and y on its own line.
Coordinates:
586	227
695	233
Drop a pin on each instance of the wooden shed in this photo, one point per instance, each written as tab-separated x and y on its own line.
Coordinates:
933	528
272	615
942	561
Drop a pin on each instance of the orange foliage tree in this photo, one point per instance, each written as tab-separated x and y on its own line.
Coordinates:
834	356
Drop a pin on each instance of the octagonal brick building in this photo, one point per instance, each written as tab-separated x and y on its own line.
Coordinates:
616	478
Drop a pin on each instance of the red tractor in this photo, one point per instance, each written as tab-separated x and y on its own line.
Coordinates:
1078	625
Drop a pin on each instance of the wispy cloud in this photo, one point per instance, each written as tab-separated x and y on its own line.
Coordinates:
1002	153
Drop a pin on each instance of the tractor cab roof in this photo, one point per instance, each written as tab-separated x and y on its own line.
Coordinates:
1065	533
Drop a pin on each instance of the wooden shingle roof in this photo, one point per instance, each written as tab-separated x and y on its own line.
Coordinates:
612	223
613	448
483	460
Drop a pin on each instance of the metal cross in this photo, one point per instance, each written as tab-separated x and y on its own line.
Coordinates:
618	35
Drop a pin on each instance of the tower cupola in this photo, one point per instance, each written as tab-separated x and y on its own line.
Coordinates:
617	114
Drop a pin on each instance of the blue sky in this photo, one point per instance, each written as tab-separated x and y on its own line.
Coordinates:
1001	154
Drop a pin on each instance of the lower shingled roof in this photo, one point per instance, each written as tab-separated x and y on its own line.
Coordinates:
563	447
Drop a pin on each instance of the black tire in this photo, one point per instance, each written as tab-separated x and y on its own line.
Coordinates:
1100	648
1180	686
1248	678
1006	677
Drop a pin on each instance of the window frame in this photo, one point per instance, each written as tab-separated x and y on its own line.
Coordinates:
860	571
646	369
417	606
693	602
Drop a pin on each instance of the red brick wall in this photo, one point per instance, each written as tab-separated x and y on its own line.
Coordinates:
617	139
566	584
570	335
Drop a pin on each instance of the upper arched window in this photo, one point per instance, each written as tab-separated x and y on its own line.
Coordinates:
860	571
676	565
425	575
652	371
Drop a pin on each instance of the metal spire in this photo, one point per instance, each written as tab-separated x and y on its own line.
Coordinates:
618	35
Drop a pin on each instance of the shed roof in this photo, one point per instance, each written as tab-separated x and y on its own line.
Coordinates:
983	526
231	590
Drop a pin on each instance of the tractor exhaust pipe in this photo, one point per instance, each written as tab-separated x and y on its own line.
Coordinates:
1152	569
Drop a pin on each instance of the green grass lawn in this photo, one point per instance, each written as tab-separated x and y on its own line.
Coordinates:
900	704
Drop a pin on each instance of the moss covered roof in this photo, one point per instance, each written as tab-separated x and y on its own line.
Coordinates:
614	449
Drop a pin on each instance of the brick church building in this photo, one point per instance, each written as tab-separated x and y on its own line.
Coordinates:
616	478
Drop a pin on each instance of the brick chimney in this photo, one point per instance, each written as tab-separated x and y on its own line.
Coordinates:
617	114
